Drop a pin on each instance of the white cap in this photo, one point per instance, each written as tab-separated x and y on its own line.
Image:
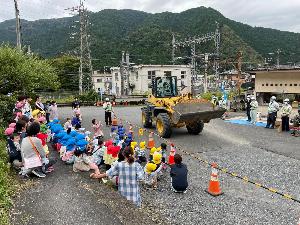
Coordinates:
252	97
286	100
273	97
107	99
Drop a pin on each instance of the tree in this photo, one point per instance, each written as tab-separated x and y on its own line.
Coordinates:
20	72
67	67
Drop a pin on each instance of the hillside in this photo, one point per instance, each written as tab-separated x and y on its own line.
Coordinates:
148	36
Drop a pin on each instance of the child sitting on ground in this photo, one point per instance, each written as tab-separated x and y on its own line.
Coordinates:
14	150
152	170
178	175
83	162
164	154
140	153
67	124
98	153
96	125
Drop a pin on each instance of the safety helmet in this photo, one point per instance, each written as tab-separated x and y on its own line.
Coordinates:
286	100
107	99
252	98
273	98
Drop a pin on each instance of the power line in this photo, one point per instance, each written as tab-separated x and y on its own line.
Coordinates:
85	68
192	42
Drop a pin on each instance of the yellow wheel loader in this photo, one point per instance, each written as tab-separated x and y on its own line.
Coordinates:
169	110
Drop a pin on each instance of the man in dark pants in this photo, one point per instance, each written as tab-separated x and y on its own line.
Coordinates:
107	106
248	108
272	112
285	115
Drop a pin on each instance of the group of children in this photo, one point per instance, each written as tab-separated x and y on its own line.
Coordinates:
77	147
27	136
87	152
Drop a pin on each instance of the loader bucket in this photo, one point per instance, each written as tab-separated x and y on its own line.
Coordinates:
192	112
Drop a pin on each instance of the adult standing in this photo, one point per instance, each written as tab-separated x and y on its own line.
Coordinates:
129	173
38	104
53	111
27	108
75	103
253	110
107	106
285	115
272	112
248	107
47	108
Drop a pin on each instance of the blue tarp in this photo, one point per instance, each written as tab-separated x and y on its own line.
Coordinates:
245	122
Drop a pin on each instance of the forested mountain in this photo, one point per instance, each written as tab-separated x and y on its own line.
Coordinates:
148	36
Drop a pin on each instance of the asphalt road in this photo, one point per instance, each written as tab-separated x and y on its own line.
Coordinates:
262	155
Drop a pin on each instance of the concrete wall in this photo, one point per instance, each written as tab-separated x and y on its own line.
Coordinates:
281	81
103	81
140	80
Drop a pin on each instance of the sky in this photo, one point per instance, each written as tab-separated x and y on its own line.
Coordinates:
277	14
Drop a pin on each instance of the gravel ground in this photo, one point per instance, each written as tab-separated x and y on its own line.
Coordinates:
263	155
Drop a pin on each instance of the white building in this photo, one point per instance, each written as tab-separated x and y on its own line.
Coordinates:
102	82
140	76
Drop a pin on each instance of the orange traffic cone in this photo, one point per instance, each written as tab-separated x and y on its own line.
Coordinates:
151	142
214	184
171	156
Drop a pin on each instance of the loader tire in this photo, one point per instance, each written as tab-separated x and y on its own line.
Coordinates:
195	128
163	125
146	118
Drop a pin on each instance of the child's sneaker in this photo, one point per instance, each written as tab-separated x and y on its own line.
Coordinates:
38	174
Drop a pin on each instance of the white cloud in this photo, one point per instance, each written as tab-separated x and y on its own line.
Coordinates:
278	14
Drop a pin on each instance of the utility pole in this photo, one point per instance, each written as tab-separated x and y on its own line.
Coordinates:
18	25
217	50
239	70
278	58
124	70
194	75
205	73
173	49
85	68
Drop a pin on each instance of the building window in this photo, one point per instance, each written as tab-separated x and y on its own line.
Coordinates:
151	74
276	85
295	85
271	84
291	85
267	84
167	73
263	85
182	76
116	77
99	80
183	72
280	85
285	84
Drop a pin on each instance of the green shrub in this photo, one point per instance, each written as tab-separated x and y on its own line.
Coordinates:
91	96
7	104
7	184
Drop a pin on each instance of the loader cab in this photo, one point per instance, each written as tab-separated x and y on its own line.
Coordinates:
164	87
